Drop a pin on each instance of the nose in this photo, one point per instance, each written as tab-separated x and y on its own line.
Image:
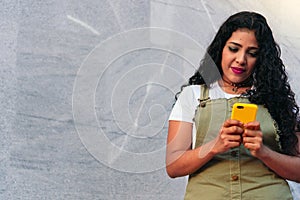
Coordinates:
241	58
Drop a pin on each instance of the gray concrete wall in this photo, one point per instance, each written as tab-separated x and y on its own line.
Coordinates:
87	86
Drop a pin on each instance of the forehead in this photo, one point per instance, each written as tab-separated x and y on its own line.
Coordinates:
244	37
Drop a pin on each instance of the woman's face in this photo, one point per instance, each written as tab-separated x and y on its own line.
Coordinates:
239	55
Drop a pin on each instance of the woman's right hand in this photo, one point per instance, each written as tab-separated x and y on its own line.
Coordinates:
230	136
182	160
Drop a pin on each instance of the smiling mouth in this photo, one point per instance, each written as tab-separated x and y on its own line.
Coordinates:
237	70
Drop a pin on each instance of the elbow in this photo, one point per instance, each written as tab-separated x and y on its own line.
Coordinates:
171	172
296	180
171	175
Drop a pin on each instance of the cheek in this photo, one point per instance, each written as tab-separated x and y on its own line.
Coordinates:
224	59
252	63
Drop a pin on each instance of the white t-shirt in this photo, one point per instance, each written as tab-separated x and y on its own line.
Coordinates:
187	102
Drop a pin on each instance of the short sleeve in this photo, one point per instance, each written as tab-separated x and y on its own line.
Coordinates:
186	104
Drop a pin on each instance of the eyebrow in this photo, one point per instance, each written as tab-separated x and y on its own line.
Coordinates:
237	44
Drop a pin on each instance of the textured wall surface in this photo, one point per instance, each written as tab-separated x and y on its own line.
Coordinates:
87	87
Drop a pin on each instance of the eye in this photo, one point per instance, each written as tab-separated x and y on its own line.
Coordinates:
233	49
253	53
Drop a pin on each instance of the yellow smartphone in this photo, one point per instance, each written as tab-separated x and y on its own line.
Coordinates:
244	112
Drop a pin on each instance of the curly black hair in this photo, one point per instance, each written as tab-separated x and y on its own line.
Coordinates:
269	76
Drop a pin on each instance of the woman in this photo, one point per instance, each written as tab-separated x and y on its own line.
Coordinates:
224	158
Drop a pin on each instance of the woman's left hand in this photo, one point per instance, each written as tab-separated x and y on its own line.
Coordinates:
253	138
286	166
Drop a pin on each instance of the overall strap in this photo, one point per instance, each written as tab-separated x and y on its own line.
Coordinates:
204	92
201	115
204	95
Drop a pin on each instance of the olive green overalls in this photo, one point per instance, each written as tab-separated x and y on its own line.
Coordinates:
235	174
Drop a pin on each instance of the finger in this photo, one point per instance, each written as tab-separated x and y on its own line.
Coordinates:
252	140
252	146
234	138
235	130
232	128
255	125
231	144
232	122
252	133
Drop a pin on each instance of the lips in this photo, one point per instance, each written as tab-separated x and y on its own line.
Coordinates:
237	70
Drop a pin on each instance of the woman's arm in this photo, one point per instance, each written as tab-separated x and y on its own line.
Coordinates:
285	166
182	160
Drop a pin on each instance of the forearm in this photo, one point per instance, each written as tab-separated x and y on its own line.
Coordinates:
182	160
182	163
285	166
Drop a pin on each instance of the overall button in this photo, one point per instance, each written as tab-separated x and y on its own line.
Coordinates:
235	177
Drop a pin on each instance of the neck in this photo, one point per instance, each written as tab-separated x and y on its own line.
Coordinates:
237	87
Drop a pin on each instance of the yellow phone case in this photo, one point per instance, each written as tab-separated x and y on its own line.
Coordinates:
244	112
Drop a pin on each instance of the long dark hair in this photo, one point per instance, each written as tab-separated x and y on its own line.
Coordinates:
269	77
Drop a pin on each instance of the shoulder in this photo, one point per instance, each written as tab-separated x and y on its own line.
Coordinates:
188	98
191	91
194	91
186	104
213	91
